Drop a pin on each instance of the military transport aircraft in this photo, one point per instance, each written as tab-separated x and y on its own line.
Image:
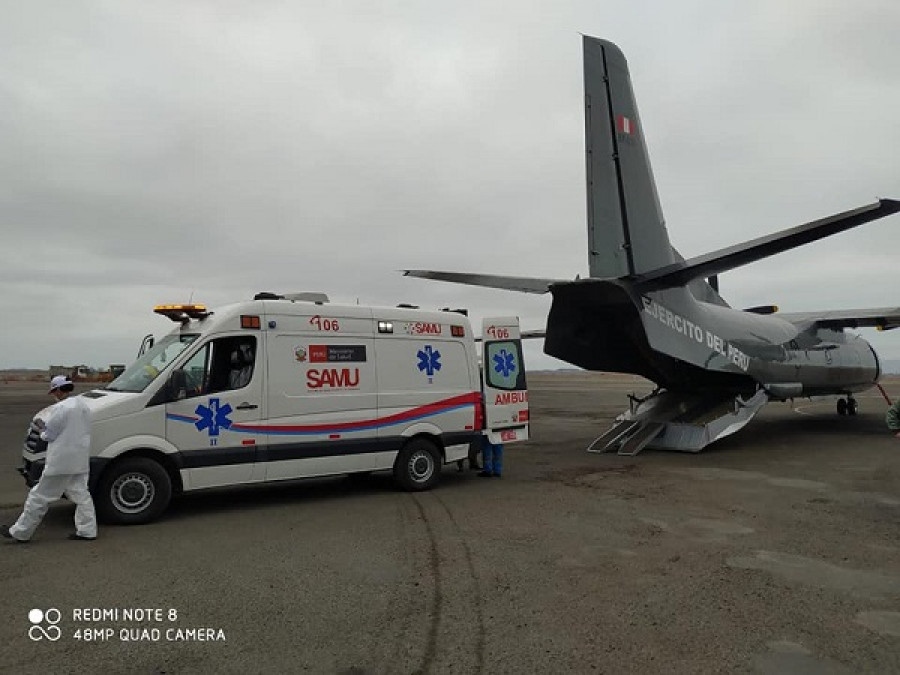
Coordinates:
644	309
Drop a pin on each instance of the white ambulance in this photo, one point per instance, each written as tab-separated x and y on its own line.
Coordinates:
282	387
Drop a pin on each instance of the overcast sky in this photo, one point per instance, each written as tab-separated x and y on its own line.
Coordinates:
156	152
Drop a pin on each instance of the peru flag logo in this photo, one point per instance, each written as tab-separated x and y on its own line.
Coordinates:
624	125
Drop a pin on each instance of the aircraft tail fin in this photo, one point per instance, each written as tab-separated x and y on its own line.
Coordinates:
626	231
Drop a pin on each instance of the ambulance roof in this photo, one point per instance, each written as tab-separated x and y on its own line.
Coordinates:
219	317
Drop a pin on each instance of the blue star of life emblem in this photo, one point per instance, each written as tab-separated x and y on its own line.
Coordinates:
429	360
505	363
213	417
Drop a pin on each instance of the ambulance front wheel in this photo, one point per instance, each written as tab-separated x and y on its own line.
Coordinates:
132	491
418	465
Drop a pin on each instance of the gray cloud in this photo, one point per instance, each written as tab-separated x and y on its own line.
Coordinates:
154	151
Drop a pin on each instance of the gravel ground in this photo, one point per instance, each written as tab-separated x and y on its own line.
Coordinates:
773	551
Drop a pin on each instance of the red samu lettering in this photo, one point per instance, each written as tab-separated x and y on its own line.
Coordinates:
421	328
333	378
511	397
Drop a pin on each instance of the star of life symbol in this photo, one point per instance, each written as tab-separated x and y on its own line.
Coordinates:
213	417
37	631
505	363
429	361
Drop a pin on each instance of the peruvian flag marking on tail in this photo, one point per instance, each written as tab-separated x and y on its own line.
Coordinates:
624	125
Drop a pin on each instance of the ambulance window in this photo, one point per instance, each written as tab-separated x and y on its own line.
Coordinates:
195	370
232	363
503	361
223	364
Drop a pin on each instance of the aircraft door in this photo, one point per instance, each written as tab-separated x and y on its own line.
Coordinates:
503	373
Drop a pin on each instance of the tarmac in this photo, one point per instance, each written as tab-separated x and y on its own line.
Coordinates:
773	551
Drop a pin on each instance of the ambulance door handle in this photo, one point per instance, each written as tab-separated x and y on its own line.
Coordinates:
247	406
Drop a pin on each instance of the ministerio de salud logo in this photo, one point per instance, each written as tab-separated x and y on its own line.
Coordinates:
38	631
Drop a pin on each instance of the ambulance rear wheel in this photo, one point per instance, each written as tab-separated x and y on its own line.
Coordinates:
133	490
418	465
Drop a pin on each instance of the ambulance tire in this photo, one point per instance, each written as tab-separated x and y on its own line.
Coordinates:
133	491
418	465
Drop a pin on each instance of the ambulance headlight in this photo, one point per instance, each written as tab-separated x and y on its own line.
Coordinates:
33	441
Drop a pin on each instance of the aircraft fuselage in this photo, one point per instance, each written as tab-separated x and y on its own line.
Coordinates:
681	343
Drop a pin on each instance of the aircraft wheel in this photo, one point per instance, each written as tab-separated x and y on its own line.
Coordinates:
852	406
842	406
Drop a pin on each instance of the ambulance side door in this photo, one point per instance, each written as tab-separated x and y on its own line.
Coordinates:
503	373
216	409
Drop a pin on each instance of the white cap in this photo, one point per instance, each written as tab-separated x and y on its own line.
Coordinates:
58	382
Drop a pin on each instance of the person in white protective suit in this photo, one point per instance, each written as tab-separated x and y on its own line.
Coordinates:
68	435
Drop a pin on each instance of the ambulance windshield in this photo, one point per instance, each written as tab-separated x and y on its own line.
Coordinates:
149	365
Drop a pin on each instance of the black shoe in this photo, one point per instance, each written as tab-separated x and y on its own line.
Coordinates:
484	474
496	475
7	535
77	537
474	467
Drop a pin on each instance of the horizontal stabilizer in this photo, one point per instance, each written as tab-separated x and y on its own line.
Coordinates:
521	284
882	318
725	259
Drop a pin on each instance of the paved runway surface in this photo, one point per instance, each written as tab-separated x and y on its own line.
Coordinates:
774	551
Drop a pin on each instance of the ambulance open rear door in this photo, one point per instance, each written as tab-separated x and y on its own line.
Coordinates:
503	373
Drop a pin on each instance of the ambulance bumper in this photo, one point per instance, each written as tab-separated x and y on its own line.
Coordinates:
31	471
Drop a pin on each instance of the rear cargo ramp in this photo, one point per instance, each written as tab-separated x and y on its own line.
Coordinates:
675	421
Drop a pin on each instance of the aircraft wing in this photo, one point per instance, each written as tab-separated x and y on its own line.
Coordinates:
521	284
725	259
882	318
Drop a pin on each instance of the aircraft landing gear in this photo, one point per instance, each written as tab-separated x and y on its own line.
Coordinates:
847	406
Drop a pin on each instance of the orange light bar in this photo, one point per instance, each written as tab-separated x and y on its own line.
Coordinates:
457	331
250	321
182	313
159	309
